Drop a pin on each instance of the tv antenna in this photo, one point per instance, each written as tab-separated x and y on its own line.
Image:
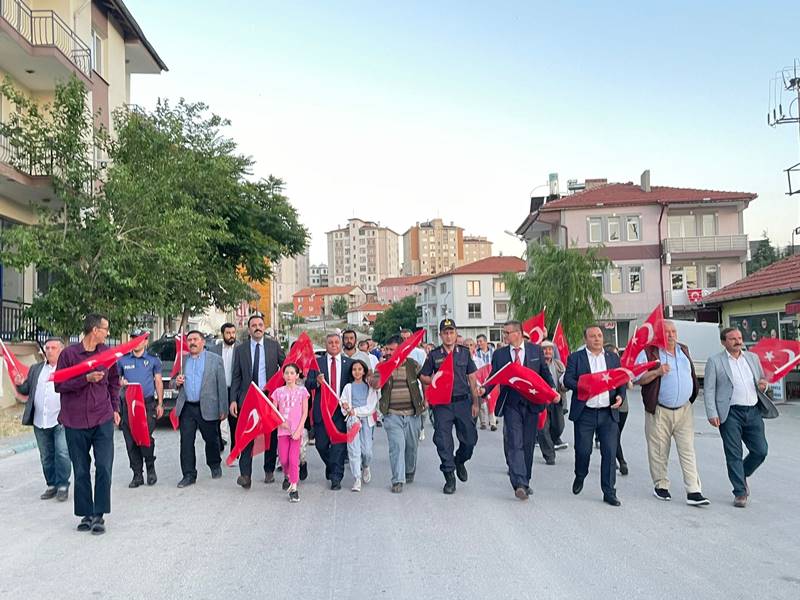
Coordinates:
784	107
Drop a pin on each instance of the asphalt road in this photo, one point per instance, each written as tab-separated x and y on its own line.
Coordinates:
215	540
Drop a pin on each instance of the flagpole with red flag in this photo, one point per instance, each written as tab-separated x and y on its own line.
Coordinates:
13	364
105	359
137	415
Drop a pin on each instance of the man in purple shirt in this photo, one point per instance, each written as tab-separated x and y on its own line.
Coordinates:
89	412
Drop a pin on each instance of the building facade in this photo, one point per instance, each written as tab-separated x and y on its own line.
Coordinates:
473	295
667	245
432	247
290	275
396	288
476	248
365	315
318	275
362	254
316	303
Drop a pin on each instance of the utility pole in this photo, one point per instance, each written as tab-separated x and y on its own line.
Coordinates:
785	92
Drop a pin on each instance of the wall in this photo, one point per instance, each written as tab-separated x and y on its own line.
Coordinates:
757	305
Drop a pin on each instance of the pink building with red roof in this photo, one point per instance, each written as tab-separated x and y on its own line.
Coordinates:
668	244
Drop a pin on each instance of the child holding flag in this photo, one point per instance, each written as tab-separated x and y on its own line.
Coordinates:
292	401
359	402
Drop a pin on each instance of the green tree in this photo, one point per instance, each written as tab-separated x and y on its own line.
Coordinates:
765	255
339	307
400	315
563	280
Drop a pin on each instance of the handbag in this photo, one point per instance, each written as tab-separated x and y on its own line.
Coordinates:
766	406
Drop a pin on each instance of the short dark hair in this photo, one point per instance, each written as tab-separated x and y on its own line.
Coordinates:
91	321
723	335
395	339
513	323
592	326
346	331
54	339
255	315
226	326
479	336
197	331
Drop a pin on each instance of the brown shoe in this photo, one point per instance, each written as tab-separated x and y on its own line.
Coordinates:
269	477
244	481
740	501
521	493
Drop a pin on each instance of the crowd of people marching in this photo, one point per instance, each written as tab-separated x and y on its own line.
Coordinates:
279	404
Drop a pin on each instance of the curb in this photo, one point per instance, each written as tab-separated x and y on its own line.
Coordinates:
6	451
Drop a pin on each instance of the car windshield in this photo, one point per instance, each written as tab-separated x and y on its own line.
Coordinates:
165	350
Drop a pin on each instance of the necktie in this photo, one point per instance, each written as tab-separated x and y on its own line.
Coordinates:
332	374
516	356
256	359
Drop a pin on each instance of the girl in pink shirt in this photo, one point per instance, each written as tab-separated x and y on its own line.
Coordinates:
292	401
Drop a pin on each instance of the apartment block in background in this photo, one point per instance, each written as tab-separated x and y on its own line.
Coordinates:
317	303
476	248
362	253
396	288
432	247
318	275
290	275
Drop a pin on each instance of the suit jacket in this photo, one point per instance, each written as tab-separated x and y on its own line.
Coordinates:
534	360
243	366
344	377
217	349
28	388
718	386
213	390
577	365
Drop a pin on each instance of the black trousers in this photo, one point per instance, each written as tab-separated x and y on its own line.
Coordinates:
100	440
623	416
546	442
519	433
459	414
270	455
555	416
190	421
138	456
591	421
332	455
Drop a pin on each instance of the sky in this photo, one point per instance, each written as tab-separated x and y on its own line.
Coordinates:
406	111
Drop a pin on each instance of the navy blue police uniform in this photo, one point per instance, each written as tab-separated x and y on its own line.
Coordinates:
142	370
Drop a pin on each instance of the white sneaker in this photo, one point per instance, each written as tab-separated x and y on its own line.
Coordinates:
366	475
356	485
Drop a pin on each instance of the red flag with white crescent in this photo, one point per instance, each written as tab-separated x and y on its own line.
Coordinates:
137	415
481	375
591	384
181	350
526	382
535	328
13	364
440	391
300	354
560	342
103	359
258	417
777	357
386	368
650	333
329	404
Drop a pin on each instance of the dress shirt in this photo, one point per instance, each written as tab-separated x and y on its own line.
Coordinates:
195	367
227	361
262	362
676	386
744	388
46	401
597	364
521	351
85	405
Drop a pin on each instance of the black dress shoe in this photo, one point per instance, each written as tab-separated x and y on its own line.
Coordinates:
521	493
612	500
303	472
151	475
285	484
269	477
529	490
216	472
449	483
550	461
461	471
186	481
63	494
85	524
336	485
98	525
50	492
244	481
397	488
623	468
577	485
136	481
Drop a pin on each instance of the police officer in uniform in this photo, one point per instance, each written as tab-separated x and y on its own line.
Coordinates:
462	410
143	368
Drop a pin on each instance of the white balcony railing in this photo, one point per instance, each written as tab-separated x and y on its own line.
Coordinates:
707	243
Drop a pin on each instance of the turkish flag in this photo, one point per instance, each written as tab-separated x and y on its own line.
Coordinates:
137	415
591	384
258	417
560	341
174	419
386	368
651	333
330	403
440	391
302	355
541	420
535	328
525	381
777	357
181	350
14	366
104	359
481	376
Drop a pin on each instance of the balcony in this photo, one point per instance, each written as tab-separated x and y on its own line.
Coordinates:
707	246
37	47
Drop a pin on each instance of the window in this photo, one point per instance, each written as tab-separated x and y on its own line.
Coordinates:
615	281
501	309
442	288
632	229
634	280
598	275
499	286
711	276
613	230
682	226
473	288
474	310
496	335
97	54
709	225
595	230
684	277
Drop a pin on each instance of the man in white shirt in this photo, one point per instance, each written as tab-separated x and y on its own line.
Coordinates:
730	394
41	411
226	351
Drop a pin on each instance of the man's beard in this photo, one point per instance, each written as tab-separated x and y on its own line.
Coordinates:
349	347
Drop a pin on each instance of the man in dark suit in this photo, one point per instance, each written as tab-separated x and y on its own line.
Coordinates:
334	368
597	414
520	416
256	360
225	351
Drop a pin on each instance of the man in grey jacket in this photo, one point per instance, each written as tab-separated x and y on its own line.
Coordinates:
733	379
202	402
41	411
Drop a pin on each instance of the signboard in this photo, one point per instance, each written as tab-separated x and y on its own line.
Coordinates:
695	294
755	327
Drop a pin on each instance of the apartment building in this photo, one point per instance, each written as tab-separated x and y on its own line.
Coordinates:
476	248
362	253
318	275
43	43
396	288
432	247
668	245
317	303
473	295
290	275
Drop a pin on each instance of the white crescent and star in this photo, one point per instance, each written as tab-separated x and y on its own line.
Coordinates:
435	378
651	333
253	417
793	358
